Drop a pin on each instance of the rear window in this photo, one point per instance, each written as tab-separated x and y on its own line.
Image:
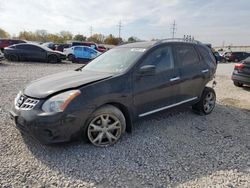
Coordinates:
207	55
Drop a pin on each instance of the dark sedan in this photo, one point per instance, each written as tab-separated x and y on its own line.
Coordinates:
241	73
32	52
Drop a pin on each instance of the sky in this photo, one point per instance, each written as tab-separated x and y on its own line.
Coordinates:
210	21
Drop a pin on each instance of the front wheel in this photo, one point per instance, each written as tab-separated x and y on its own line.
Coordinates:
71	57
106	126
207	102
53	59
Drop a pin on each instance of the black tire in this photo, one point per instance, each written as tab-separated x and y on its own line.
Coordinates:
71	57
238	84
111	115
205	106
53	59
13	58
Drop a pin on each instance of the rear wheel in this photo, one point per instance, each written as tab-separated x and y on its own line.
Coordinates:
106	126
238	84
207	102
53	59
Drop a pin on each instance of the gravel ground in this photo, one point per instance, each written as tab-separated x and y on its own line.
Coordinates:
176	148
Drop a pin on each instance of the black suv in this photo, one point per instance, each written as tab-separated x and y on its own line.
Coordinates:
100	101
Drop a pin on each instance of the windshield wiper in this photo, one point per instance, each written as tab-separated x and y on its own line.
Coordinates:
80	68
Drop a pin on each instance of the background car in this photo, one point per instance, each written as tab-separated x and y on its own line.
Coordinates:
32	52
1	55
50	45
84	54
220	58
8	42
236	56
241	73
89	44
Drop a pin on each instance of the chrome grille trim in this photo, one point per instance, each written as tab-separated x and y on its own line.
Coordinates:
28	104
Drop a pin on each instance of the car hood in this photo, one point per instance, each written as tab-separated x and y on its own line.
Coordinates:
49	85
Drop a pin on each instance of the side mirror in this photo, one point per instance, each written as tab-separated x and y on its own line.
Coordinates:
147	70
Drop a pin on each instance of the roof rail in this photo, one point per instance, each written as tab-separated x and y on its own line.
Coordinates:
190	40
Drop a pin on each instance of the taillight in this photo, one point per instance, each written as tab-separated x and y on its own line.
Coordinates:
239	66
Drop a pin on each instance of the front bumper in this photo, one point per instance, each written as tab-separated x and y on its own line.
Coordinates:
47	128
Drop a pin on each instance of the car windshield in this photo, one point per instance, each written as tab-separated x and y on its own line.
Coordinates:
116	60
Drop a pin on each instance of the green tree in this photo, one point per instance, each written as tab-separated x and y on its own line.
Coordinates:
80	37
4	34
112	40
133	39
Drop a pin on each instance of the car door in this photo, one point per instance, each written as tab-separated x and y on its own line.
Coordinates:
194	71
159	90
78	52
38	54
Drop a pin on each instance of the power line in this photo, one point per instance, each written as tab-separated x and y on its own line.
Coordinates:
119	28
174	29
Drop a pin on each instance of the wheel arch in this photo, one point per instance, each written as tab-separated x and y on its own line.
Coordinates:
125	112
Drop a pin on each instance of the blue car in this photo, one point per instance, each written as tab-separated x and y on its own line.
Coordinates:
84	54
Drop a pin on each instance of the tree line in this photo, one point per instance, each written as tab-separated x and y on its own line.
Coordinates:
64	36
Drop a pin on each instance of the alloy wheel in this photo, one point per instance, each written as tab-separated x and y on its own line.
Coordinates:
104	130
209	102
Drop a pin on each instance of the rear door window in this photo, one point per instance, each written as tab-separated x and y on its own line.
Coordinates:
187	55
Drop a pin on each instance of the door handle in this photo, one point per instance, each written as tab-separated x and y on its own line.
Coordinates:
174	79
204	71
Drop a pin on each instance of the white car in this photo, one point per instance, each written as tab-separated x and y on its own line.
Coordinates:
69	53
1	55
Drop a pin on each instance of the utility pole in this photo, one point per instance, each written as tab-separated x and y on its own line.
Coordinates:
173	29
119	28
91	31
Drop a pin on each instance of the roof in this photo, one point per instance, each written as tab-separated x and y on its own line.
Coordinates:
139	45
150	44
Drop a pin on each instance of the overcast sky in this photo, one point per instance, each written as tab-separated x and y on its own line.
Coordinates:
211	21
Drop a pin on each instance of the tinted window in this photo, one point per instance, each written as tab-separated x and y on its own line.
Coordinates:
89	50
162	58
187	54
206	54
28	47
78	49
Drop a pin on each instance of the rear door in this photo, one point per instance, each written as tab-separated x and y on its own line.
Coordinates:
160	90
194	72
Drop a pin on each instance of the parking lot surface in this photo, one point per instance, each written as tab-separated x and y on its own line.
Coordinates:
175	148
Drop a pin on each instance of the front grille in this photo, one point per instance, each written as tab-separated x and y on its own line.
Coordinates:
25	103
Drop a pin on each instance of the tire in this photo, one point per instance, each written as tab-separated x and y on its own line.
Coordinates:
105	126
207	102
71	57
238	84
13	58
53	59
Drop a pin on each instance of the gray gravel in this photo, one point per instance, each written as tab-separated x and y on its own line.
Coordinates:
172	149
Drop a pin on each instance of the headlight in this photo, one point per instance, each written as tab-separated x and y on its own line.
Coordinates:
59	102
